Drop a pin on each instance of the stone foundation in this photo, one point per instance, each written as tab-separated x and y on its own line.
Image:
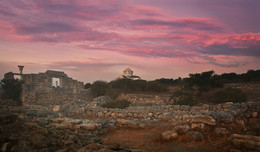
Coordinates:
207	114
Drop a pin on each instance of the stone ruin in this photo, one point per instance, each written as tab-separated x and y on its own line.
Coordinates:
50	88
234	124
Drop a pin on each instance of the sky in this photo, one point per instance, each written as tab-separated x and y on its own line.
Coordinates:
97	39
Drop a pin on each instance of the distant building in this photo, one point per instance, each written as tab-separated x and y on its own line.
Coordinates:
129	74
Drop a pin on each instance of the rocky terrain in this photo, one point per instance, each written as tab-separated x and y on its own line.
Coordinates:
36	128
86	126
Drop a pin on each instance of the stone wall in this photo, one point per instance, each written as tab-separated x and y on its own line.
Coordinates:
148	98
39	89
209	114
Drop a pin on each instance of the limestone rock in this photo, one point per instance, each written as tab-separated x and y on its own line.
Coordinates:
56	108
221	131
127	123
246	141
204	119
89	126
182	129
223	116
150	114
240	122
61	126
198	126
169	135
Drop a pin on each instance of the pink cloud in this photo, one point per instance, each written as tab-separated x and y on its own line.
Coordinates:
127	29
193	23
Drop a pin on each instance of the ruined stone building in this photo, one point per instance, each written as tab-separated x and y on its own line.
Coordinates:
129	74
50	88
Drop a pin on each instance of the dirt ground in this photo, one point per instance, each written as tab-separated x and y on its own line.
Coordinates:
149	139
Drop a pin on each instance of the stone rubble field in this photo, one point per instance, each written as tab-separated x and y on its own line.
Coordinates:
86	126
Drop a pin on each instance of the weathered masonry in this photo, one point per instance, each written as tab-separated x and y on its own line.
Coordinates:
51	88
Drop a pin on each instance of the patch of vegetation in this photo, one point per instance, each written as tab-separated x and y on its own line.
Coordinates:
251	75
98	88
116	87
87	85
122	104
153	86
229	95
194	86
183	98
113	93
12	89
137	86
204	81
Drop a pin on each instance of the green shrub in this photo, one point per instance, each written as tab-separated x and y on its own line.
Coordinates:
182	98
12	89
112	92
157	87
87	85
137	86
98	88
116	104
229	95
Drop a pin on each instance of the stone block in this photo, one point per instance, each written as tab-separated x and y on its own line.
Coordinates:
182	129
198	126
246	141
204	119
169	135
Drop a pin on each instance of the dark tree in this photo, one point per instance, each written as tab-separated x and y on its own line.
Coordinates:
204	80
12	89
87	85
98	88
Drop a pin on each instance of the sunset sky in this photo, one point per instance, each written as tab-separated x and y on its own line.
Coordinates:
97	39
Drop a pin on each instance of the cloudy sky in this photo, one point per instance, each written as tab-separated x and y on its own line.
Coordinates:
97	39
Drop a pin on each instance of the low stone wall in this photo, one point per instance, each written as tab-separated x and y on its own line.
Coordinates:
222	113
147	98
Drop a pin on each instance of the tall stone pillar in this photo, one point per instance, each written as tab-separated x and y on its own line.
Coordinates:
21	71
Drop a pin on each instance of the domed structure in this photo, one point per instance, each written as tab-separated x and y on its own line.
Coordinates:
129	74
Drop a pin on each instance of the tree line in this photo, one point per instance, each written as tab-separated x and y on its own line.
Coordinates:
200	81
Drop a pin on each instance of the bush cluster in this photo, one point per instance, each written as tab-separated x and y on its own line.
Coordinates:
135	86
204	81
229	95
183	98
12	89
98	88
116	87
